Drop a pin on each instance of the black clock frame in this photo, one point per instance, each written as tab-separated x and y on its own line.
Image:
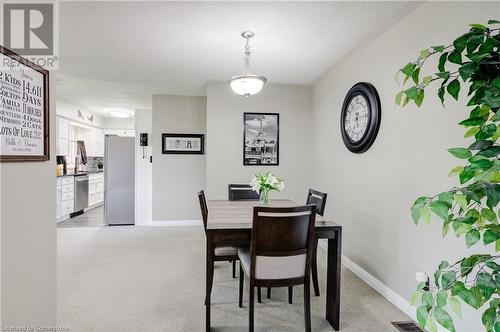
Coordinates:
370	94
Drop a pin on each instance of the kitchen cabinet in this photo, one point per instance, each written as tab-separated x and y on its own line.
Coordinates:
62	134
94	142
65	197
96	189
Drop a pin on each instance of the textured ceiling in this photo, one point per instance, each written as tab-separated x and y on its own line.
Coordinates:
176	47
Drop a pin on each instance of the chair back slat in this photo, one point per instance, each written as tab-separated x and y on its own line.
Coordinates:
237	192
317	198
203	207
282	240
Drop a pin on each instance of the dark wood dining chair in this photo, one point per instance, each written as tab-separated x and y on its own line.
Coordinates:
229	254
318	199
280	252
236	192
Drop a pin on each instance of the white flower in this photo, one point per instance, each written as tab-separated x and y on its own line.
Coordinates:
280	186
255	184
272	180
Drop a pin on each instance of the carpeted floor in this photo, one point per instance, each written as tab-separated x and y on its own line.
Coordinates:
153	279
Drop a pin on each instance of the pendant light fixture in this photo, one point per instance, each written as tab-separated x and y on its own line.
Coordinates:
247	84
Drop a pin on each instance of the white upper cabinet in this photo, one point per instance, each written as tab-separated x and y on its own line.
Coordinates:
62	142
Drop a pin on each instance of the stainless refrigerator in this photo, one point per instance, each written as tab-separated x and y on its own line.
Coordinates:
119	180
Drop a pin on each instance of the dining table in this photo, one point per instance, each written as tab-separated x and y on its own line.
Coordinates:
230	224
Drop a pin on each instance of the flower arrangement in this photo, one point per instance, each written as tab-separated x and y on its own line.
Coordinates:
264	183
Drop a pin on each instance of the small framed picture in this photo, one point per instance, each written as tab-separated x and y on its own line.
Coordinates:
261	139
182	143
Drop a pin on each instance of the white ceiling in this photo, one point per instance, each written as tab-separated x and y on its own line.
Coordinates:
142	48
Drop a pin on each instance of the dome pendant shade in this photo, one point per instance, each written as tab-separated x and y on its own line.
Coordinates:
247	84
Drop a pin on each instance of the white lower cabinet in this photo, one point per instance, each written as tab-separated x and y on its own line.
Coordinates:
65	197
96	189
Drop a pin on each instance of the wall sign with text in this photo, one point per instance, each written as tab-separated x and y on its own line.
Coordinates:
24	112
182	143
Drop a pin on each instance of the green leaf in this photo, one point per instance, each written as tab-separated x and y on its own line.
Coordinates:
398	98
425	214
454	88
466	295
414	75
461	200
443	319
408	69
414	297
441	298
427	299
480	145
441	91
461	42
455	305
493	22
424	53
415	209
422	314
455	57
456	170
427	79
461	153
472	237
448	279
431	324
440	209
439	48
475	121
467	69
490	152
492	191
489	236
478	26
486	284
420	97
481	164
488	318
471	132
489	215
466	175
442	61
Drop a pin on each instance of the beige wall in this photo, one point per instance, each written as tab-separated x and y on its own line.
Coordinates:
177	178
225	137
28	237
370	194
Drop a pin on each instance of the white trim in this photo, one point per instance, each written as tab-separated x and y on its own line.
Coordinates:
175	223
376	284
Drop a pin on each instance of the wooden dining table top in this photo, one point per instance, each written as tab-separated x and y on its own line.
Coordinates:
225	214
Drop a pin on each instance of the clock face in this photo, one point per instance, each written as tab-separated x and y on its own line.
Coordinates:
357	118
360	117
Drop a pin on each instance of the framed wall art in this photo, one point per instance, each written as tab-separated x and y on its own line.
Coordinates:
261	139
24	120
182	143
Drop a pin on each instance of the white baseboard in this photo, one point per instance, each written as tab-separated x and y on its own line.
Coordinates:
175	223
376	284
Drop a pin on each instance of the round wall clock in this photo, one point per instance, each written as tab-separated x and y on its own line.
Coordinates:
360	118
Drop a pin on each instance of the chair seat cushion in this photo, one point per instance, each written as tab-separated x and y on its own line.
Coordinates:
274	267
226	251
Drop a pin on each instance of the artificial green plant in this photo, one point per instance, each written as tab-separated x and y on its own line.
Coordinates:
470	210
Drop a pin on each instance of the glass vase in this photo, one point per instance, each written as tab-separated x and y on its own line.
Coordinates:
264	197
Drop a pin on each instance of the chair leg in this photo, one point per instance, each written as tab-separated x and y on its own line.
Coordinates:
290	294
210	279
240	297
234	269
268	292
314	268
307	305
259	296
250	307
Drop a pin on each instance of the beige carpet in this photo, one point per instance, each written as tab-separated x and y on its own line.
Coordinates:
153	279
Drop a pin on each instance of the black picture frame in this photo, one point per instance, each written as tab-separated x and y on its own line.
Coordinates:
46	112
370	94
261	158
166	150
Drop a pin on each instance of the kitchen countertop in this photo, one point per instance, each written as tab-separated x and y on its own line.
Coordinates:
80	173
